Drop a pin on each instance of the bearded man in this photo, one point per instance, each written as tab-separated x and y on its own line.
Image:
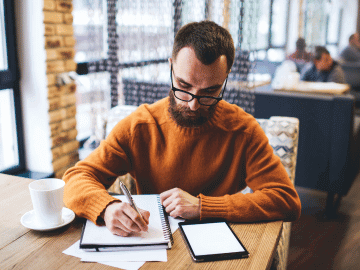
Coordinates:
194	149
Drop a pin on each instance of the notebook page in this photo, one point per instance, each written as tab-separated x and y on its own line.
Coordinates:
100	235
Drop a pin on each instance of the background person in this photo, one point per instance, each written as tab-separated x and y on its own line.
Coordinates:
194	149
351	53
300	56
323	68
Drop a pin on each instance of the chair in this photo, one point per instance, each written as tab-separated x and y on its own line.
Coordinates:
282	133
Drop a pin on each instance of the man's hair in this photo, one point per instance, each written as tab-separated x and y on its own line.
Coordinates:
351	37
300	44
208	40
319	51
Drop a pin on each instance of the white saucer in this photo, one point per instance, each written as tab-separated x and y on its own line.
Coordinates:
28	220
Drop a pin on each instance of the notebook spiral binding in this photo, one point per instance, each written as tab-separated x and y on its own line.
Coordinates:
165	223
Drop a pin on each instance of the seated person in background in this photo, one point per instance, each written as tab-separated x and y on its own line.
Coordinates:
323	69
351	53
300	56
194	149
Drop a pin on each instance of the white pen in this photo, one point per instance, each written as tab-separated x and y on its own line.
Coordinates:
129	198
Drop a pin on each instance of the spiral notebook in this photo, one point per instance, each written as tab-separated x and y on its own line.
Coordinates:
158	236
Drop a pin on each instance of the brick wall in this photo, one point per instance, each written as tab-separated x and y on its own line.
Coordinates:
59	45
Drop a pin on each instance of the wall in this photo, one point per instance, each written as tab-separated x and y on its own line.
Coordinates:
45	50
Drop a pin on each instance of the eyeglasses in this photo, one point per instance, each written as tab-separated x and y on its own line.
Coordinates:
187	97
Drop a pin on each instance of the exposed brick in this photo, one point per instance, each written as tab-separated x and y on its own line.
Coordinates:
55	128
53	17
55	66
51	54
61	162
57	115
50	30
68	18
70	65
60	173
54	91
68	124
59	139
69	41
64	6
70	111
57	152
54	103
54	42
49	5
64	30
70	147
68	88
68	100
72	134
51	79
66	53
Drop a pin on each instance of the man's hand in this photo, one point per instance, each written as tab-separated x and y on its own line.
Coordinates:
121	219
179	203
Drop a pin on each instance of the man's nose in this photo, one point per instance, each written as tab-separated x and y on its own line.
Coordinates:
194	105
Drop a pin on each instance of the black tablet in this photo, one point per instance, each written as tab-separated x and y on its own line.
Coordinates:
211	241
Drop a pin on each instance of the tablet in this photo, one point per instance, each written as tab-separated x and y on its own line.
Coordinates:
211	241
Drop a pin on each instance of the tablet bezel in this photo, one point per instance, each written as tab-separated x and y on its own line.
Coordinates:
212	257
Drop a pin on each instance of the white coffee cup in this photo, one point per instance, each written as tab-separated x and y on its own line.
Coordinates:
47	199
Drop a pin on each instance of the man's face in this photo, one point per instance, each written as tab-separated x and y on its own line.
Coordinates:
355	41
324	63
192	76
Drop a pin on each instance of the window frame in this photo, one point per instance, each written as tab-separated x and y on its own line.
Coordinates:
9	79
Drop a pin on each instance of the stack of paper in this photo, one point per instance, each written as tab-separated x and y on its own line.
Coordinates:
129	260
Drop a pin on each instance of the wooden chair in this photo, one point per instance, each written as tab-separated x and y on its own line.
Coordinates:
282	133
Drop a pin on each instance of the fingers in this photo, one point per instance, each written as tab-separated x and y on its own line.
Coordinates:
146	215
179	203
168	196
121	219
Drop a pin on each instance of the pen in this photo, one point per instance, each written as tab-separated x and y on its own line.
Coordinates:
129	198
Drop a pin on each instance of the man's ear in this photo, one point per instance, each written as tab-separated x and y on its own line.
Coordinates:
170	62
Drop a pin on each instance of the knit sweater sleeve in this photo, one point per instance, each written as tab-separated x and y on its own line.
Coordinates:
86	183
274	197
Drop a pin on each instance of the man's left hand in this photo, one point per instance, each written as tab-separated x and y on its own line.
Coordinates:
179	203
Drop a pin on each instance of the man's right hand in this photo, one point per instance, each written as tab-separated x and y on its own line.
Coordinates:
121	219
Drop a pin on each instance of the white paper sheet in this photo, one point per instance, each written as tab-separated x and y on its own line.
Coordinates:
119	259
125	265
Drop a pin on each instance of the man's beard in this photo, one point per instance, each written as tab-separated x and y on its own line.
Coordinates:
197	118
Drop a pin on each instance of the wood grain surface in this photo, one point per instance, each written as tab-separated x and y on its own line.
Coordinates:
21	248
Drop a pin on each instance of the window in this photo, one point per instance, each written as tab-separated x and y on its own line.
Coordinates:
11	143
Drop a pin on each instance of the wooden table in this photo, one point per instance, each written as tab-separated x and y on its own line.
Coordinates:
21	248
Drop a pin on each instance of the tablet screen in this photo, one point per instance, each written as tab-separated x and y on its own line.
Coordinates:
211	238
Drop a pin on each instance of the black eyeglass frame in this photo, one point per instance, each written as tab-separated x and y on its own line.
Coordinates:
174	89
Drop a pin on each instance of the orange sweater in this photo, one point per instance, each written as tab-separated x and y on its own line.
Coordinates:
214	162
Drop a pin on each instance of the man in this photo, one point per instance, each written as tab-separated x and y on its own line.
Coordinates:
300	56
351	53
194	149
323	69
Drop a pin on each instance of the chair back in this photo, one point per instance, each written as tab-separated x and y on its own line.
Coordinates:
283	135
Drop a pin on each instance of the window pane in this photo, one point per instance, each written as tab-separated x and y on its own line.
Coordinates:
8	137
3	50
279	22
90	30
92	102
263	25
334	16
145	29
